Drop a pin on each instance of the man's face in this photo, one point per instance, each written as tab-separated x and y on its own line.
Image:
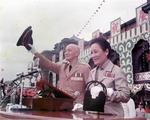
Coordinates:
71	52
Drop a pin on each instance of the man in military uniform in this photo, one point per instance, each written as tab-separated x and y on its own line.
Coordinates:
72	73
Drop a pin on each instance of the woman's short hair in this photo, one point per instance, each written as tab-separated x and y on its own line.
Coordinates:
103	43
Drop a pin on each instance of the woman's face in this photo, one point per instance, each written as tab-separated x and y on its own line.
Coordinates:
98	55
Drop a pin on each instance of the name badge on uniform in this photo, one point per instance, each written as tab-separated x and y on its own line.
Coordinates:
77	77
109	74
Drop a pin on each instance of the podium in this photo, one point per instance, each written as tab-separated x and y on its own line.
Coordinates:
60	102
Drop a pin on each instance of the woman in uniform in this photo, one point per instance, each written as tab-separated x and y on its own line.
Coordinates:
110	75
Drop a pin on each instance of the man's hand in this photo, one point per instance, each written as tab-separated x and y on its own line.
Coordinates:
32	49
77	107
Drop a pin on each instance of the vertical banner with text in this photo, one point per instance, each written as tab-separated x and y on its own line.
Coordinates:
96	34
54	74
61	55
81	45
115	27
141	17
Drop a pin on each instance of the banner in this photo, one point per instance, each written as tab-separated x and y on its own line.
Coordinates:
141	17
115	27
81	45
96	34
143	76
61	55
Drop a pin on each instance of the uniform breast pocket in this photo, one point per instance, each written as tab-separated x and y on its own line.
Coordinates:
109	82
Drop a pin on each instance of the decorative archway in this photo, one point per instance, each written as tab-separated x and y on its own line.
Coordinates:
139	58
124	49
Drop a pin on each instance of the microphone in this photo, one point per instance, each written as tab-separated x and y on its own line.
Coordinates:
21	75
31	73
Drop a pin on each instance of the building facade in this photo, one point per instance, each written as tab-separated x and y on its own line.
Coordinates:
131	40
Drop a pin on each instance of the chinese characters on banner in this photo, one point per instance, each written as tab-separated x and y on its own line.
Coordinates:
115	27
61	57
142	76
81	45
96	34
141	17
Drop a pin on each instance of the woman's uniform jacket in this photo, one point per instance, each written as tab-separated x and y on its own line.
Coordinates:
72	82
112	77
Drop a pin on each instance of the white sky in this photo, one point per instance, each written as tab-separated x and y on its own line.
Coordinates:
51	21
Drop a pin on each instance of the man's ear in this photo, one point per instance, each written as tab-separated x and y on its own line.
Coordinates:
78	51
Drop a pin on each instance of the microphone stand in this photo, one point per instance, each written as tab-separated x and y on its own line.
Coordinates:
14	84
21	91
